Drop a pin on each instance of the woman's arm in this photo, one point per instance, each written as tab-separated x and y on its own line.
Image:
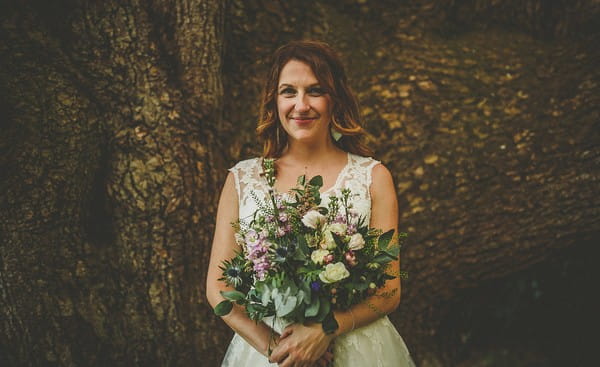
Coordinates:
384	216
224	248
300	343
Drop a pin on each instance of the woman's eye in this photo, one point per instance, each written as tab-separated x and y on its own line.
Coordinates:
316	91
287	91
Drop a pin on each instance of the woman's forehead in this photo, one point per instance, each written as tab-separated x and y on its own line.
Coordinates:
296	72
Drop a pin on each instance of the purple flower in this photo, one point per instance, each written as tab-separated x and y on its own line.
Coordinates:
257	248
261	267
315	286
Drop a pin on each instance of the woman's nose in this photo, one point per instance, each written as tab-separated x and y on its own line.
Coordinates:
301	104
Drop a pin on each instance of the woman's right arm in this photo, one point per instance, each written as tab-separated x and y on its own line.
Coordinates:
224	247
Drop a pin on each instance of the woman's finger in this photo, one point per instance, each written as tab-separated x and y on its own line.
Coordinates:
286	332
285	362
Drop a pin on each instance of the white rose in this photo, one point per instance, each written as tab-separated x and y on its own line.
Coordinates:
356	242
312	219
338	228
328	242
318	255
334	273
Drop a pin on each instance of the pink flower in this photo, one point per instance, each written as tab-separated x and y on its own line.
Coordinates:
261	267
350	258
280	232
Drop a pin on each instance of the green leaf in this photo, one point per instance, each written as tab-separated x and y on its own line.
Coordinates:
305	288
285	305
383	258
330	324
301	180
233	295
313	308
316	181
338	240
361	286
385	239
394	251
302	245
324	309
223	308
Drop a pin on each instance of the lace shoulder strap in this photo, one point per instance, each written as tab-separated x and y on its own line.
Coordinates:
249	184
359	174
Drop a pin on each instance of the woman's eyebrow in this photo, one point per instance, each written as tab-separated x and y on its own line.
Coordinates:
290	85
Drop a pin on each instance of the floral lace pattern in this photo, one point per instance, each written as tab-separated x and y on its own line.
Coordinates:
356	176
377	344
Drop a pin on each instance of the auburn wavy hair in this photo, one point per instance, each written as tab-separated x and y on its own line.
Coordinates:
329	71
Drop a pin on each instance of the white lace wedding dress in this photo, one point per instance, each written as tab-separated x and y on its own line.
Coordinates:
377	344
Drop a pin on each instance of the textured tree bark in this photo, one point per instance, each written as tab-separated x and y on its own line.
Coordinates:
109	193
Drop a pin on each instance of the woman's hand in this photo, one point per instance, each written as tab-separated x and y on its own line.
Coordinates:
303	346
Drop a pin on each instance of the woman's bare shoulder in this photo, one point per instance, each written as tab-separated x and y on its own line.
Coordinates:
382	180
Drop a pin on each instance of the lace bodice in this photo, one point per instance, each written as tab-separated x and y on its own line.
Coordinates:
356	176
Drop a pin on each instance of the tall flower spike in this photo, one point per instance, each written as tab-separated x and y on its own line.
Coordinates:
269	170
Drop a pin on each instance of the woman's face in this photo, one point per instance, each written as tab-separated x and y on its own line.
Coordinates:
303	107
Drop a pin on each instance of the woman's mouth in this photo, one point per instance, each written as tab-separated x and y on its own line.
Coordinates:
303	120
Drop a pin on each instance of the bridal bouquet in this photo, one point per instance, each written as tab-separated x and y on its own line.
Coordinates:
301	261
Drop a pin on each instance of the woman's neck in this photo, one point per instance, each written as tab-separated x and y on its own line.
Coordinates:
309	154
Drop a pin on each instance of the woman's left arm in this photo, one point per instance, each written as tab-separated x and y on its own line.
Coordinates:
310	340
384	216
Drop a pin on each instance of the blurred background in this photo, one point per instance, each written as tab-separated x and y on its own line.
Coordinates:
120	119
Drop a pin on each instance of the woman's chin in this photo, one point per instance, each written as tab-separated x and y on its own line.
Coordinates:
304	138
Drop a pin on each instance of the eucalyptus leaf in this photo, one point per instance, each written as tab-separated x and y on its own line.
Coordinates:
313	309
285	305
266	296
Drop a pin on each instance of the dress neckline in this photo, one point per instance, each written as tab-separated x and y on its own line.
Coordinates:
337	182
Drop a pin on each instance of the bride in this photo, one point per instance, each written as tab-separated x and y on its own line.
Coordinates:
309	122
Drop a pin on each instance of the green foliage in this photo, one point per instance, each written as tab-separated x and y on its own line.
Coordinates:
223	308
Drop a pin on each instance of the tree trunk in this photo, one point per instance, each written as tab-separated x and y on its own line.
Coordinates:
111	174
